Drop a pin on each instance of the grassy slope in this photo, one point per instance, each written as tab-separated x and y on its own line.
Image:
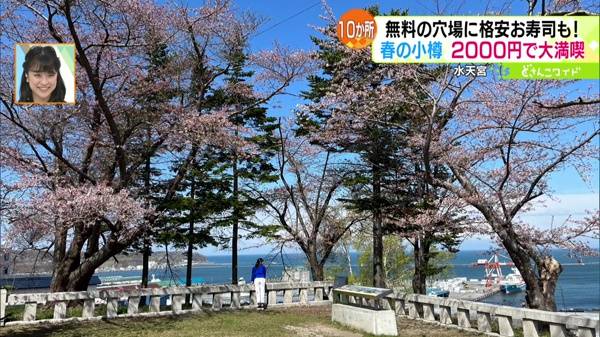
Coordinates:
290	322
270	323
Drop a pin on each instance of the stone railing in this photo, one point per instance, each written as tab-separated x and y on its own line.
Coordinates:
494	319
474	316
127	303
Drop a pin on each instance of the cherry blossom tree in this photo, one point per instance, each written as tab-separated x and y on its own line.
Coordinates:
505	140
562	7
303	205
93	152
500	140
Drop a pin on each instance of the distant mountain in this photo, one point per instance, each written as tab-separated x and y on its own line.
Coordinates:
133	261
39	263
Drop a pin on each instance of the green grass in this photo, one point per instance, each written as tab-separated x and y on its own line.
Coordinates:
288	322
270	323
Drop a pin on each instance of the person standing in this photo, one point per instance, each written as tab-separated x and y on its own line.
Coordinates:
259	276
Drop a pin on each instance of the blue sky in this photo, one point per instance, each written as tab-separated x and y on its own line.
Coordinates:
290	25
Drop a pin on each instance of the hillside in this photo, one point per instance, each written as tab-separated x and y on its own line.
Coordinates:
34	262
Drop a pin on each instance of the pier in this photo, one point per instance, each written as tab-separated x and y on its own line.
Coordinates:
475	292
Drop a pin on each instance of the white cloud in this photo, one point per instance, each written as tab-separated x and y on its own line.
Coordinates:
548	212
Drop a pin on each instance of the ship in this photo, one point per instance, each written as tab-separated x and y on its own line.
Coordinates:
437	292
512	283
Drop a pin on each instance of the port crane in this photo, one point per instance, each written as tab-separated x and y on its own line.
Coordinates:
493	268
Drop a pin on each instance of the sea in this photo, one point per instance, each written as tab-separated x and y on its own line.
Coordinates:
578	286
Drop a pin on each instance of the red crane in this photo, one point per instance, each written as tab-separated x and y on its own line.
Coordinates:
493	268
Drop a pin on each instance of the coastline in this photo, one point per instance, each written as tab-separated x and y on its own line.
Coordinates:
139	267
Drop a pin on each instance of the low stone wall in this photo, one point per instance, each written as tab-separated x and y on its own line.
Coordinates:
492	319
209	297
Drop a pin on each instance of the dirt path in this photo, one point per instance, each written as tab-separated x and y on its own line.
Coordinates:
406	328
412	328
319	330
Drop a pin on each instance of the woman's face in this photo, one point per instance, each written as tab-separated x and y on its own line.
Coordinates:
42	84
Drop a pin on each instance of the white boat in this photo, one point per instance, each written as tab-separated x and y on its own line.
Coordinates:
513	283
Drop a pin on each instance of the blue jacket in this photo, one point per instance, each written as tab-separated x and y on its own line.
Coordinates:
260	272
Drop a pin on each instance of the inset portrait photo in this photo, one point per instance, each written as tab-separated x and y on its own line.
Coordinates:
44	73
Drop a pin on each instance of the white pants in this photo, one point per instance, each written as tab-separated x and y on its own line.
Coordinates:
259	287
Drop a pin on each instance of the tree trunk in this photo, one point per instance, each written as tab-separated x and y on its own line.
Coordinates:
378	273
146	252
190	256
81	282
59	274
421	261
542	294
316	268
146	249
190	247
59	280
71	274
540	286
69	260
348	259
80	278
234	238
550	272
93	242
317	272
145	262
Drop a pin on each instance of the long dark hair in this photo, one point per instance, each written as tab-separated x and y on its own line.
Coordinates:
258	262
42	59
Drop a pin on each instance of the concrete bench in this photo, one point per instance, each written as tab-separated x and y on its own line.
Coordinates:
365	309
